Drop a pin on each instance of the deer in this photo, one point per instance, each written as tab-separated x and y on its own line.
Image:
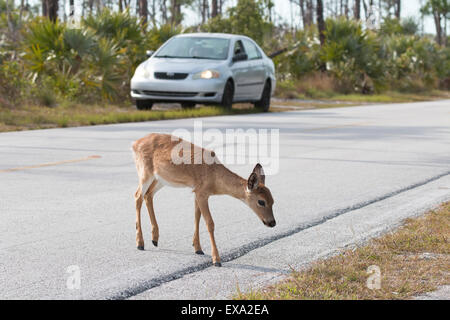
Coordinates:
154	158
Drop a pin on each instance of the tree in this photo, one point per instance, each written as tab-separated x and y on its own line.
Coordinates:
320	22
214	9
321	28
397	8
247	18
440	10
309	12
143	11
392	7
357	12
175	10
50	9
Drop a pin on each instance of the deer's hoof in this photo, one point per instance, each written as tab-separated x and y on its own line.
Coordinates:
155	243
199	252
217	264
140	247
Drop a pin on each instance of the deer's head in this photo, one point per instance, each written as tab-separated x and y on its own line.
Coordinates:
259	198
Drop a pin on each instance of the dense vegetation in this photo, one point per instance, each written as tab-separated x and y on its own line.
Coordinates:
45	61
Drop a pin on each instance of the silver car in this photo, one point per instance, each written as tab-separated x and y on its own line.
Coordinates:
207	68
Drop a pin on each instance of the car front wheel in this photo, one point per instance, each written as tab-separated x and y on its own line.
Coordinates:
144	104
228	95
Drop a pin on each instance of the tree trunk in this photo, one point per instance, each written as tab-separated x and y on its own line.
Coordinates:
214	9
205	10
143	11
71	8
303	13
163	9
321	28
398	6
90	5
220	7
346	8
175	9
357	12
50	9
320	22
309	12
153	13
44	8
437	22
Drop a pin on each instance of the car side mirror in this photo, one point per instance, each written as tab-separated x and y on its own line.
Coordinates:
240	57
149	53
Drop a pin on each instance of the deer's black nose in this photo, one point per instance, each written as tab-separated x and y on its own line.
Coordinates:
270	223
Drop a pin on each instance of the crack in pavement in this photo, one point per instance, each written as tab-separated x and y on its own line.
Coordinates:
241	251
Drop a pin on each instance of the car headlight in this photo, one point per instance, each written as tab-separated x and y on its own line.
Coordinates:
206	74
141	72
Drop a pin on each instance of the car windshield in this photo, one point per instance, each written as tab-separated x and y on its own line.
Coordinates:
195	48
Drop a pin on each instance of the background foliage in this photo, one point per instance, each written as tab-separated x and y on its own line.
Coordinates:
44	61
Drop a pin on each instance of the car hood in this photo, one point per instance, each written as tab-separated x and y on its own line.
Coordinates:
181	65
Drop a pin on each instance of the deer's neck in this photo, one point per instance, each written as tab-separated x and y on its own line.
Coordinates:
231	184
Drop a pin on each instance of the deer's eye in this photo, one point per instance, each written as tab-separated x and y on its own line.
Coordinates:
262	203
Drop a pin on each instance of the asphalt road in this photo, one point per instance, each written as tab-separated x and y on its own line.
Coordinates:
346	174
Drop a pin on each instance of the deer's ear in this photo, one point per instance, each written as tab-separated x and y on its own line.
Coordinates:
253	181
258	170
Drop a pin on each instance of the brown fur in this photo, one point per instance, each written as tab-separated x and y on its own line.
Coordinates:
153	157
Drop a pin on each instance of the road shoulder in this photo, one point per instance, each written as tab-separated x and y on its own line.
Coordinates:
270	264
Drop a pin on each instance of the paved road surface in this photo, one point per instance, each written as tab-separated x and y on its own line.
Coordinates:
345	174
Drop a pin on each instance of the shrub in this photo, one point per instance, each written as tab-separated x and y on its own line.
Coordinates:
413	62
353	56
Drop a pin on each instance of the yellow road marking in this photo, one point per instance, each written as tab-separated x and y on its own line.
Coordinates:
50	164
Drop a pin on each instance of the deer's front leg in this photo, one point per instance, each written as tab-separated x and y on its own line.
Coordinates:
204	209
151	212
139	237
196	239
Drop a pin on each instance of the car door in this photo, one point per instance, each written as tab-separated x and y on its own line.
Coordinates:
256	70
240	71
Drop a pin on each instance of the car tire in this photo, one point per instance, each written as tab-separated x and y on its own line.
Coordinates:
264	103
187	105
228	95
144	104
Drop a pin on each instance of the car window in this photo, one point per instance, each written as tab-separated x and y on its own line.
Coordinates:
195	47
252	50
238	47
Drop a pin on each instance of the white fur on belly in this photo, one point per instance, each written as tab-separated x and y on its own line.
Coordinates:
168	183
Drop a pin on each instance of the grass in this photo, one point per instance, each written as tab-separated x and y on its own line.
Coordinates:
323	87
412	260
393	97
71	115
312	93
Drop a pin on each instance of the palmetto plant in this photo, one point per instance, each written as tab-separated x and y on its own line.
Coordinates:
353	55
99	57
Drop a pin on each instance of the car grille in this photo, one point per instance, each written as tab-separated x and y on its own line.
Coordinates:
169	93
170	75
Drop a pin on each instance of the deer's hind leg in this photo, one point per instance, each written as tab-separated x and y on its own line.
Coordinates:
154	187
139	237
139	198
